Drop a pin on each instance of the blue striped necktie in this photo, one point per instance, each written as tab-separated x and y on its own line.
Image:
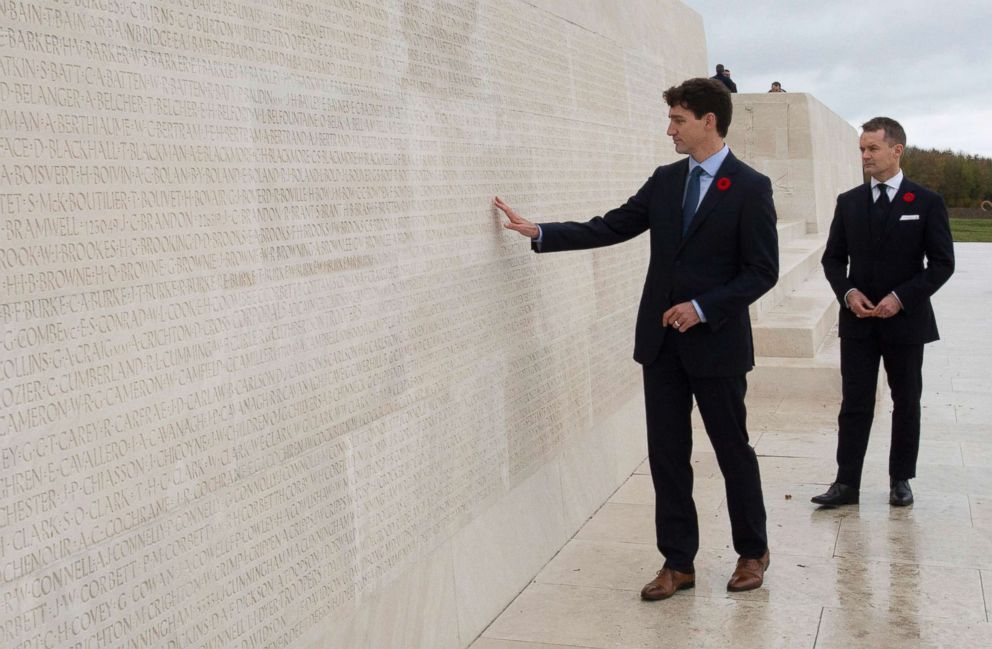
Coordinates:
691	199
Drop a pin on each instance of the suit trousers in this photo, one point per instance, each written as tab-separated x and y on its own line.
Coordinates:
668	393
859	361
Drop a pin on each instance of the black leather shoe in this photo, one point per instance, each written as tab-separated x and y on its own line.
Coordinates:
900	494
837	494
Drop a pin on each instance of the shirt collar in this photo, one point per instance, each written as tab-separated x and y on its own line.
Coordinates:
711	164
892	182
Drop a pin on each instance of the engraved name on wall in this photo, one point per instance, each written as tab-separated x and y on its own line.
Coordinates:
263	340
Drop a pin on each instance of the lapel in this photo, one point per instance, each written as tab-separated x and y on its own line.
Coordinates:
713	196
862	221
674	186
899	208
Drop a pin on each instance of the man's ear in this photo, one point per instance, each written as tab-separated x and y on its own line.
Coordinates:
898	149
709	119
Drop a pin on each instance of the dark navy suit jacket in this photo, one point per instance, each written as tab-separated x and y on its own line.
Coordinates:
727	260
915	228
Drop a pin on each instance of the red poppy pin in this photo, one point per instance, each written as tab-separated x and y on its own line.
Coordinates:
909	197
723	184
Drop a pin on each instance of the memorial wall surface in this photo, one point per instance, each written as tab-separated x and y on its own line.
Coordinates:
808	151
272	373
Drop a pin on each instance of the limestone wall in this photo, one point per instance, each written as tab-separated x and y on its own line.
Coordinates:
809	152
272	373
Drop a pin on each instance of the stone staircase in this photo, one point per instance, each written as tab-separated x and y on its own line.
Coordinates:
795	324
810	155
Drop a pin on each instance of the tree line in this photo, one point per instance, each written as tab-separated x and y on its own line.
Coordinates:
963	180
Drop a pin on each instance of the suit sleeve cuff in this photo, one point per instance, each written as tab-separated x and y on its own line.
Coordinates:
898	300
699	311
846	295
539	237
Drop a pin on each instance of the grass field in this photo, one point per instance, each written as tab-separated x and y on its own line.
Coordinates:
971	229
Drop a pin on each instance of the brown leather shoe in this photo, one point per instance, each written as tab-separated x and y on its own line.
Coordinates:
666	583
749	574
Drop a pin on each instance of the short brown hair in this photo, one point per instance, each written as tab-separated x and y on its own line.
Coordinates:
894	132
703	96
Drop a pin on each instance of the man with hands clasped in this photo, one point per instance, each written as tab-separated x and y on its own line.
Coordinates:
714	251
882	233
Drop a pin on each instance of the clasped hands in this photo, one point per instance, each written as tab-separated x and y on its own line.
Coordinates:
887	307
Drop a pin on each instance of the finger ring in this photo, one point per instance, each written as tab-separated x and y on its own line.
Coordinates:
677	324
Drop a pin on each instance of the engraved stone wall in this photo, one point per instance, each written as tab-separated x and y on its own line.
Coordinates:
265	345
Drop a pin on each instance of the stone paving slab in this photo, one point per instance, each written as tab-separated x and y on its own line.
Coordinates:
861	576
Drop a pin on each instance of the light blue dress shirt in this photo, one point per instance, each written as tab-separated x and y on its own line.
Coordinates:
710	166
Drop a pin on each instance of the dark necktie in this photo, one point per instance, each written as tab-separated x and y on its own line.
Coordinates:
881	210
691	199
883	202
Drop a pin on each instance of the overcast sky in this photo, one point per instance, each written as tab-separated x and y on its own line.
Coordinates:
927	64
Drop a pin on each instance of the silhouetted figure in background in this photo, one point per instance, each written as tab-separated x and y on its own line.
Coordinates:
727	80
723	76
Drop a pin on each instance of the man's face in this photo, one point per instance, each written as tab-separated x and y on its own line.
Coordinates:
726	73
686	130
879	158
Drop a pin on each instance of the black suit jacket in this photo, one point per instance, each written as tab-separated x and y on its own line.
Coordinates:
726	261
916	227
731	86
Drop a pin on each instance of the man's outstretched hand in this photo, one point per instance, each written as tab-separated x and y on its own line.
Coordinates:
517	222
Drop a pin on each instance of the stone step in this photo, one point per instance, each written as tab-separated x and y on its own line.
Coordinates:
789	230
799	378
796	327
797	259
777	376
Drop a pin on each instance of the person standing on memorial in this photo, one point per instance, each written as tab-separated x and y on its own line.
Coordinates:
882	233
723	76
727	80
714	251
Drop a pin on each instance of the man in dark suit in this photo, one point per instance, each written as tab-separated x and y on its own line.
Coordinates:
714	251
874	260
723	76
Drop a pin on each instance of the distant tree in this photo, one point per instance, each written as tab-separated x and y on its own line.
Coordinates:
963	180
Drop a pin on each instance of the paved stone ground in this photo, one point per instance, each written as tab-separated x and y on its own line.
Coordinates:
861	576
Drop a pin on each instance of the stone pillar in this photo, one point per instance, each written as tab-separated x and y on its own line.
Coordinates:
808	151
